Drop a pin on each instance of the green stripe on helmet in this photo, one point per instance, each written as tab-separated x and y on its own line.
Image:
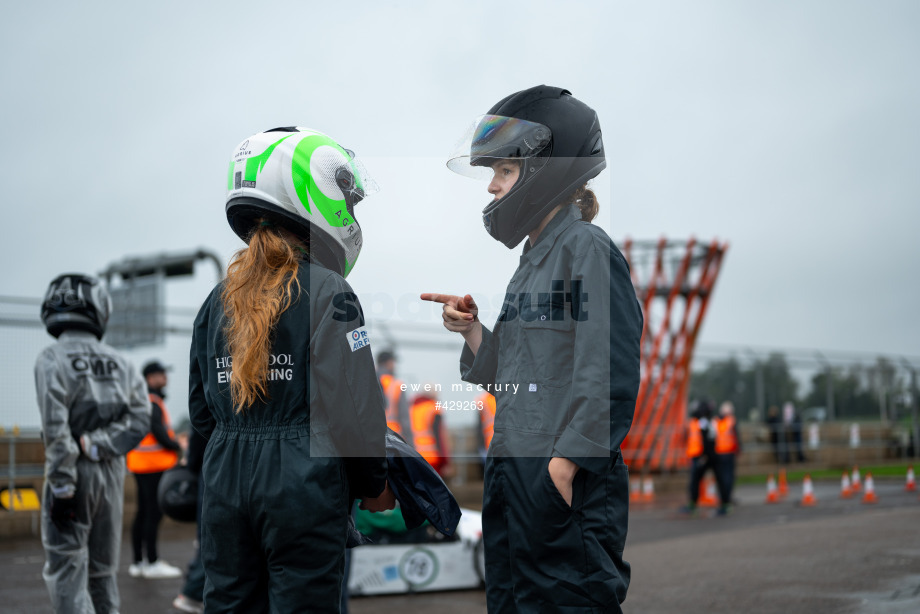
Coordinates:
230	176
334	211
255	164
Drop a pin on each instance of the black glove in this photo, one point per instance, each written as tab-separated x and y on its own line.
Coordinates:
63	511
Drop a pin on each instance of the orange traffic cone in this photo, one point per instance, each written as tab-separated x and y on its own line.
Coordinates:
648	490
846	491
808	492
772	493
707	496
635	495
869	495
783	485
911	484
857	485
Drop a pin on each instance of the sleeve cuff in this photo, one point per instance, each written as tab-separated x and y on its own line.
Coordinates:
583	452
64	492
479	368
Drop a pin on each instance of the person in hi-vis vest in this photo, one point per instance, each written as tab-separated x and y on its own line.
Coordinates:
428	432
156	453
397	404
701	450
485	403
728	446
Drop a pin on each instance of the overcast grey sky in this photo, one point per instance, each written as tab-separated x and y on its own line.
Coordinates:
789	129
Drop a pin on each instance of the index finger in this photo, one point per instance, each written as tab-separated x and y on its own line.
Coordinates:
439	298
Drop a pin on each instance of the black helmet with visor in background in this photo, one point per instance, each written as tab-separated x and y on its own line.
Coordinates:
557	140
76	301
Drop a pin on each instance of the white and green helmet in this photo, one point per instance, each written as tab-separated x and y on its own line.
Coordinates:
304	181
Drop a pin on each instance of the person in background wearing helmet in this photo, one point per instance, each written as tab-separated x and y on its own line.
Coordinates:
282	382
556	489
397	404
94	409
157	452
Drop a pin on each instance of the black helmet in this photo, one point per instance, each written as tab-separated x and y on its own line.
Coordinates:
76	301
558	140
177	494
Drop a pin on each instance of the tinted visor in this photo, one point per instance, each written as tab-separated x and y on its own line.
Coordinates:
494	137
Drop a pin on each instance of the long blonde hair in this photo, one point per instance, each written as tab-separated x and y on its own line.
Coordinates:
260	286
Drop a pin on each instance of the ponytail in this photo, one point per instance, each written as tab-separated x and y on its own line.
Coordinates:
258	289
586	201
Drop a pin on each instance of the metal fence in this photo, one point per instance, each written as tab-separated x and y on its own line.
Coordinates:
428	349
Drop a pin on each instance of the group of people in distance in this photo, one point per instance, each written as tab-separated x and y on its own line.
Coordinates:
287	456
713	443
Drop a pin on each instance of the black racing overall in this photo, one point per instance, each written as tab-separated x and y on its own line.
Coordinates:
568	337
279	475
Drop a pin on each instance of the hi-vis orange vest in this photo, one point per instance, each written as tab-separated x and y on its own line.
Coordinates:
149	456
726	441
694	439
392	392
422	415
487	417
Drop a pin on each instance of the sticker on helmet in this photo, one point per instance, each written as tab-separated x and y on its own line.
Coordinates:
358	339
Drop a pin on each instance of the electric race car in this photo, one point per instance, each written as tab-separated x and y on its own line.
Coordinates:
418	560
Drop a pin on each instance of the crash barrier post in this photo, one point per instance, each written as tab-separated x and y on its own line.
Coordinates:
15	496
12	467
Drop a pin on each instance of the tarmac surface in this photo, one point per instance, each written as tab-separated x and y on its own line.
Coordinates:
840	556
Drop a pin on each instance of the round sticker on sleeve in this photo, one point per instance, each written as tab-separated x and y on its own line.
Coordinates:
418	567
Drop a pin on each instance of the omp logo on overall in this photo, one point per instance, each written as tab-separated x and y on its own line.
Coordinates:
96	365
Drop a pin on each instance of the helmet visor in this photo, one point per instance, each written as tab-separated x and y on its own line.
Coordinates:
353	179
494	137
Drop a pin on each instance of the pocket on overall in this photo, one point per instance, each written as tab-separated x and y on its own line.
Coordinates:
548	345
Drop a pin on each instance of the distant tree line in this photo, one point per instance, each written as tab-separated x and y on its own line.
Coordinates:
858	390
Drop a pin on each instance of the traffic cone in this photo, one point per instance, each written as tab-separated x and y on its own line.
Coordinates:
808	492
707	496
648	490
869	495
772	493
911	484
857	486
846	491
783	485
635	495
